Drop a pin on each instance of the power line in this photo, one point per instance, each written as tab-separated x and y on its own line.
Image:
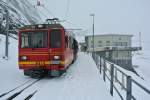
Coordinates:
49	12
67	9
43	13
71	23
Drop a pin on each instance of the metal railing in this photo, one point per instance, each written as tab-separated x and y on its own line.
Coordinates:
111	71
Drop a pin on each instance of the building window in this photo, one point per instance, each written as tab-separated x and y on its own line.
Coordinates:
107	43
125	43
115	44
121	44
116	54
128	54
99	41
100	45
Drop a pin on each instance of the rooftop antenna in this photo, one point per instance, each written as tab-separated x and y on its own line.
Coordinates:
52	21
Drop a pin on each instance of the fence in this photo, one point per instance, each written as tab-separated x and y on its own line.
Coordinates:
110	71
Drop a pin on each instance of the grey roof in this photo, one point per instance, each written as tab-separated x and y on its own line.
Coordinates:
110	34
45	26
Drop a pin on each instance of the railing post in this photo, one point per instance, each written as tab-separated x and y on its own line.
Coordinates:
93	55
112	79
98	63
129	88
123	83
116	76
100	67
96	57
104	66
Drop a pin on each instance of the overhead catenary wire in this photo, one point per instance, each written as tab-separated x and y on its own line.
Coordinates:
67	9
66	14
67	21
49	12
43	13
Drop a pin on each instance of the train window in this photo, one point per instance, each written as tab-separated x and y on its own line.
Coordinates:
70	42
39	40
24	40
55	38
66	41
34	39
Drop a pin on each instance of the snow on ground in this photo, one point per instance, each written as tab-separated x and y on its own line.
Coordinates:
142	61
81	82
137	92
10	76
22	11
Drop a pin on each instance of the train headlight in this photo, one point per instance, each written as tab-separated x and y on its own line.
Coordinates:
24	58
56	57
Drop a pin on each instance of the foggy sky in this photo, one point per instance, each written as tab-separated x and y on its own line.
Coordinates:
111	16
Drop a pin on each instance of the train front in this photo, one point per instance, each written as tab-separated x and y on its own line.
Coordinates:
41	50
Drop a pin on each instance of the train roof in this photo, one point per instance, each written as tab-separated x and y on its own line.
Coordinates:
42	26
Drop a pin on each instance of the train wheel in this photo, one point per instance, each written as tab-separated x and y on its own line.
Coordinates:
56	73
62	72
34	73
37	76
38	73
27	72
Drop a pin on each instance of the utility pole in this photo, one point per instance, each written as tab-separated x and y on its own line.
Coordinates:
7	29
7	32
93	15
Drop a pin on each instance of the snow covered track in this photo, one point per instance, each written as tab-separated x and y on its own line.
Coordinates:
16	93
30	96
3	94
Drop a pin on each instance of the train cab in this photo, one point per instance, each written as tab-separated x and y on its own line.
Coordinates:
45	49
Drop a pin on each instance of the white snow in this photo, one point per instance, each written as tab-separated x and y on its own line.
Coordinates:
81	82
137	92
10	75
142	61
24	11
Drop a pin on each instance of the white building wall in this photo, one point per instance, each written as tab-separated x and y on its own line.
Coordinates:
112	40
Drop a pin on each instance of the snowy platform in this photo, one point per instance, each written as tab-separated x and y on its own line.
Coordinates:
81	82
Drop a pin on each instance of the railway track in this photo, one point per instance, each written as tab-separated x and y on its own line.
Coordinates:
30	95
13	93
3	94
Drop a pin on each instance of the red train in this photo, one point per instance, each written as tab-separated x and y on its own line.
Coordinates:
46	49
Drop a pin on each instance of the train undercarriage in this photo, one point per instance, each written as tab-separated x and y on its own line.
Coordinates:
38	73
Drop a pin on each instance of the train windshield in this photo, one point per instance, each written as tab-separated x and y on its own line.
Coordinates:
36	39
55	38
